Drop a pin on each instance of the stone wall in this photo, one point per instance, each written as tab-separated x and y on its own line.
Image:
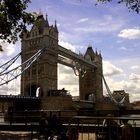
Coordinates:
57	103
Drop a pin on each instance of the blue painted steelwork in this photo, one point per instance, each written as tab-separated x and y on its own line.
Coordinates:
9	63
12	74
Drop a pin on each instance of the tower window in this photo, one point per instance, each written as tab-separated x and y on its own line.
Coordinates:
33	34
36	33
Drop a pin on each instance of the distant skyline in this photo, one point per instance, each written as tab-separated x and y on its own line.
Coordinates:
109	28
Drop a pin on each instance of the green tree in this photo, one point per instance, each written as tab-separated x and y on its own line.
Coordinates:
14	19
133	5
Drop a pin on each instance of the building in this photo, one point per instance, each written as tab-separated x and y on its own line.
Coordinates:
122	97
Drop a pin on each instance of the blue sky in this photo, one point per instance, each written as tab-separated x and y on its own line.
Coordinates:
109	28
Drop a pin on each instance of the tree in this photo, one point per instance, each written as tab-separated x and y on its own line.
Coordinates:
133	5
14	19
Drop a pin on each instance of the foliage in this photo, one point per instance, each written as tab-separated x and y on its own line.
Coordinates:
133	5
14	19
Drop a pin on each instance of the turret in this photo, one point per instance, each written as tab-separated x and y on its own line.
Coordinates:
55	27
41	23
89	54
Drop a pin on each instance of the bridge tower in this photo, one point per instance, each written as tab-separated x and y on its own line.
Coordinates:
43	73
90	85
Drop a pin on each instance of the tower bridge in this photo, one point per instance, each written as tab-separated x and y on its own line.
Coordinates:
38	70
44	70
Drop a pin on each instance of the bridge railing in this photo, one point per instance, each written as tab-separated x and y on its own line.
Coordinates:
88	127
105	128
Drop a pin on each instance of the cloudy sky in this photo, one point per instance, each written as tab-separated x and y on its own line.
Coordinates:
109	28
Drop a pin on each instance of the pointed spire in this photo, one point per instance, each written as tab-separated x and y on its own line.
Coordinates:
55	23
40	15
46	16
100	54
96	52
89	45
55	26
46	21
90	52
41	22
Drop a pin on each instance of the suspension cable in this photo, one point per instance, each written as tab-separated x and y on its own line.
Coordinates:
30	81
9	63
25	65
110	94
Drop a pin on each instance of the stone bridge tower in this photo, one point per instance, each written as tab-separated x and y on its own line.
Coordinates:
43	73
90	86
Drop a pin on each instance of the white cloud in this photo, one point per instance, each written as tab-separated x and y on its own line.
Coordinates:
8	49
99	28
129	86
68	80
73	2
135	67
103	24
67	45
64	70
110	69
70	46
13	87
124	80
108	17
128	80
134	77
125	49
82	20
65	37
130	33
